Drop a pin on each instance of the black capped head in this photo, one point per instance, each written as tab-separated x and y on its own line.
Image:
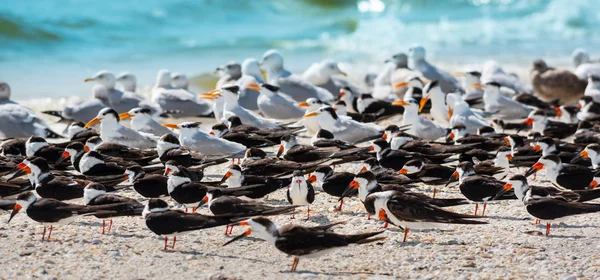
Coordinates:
234	89
96	155
77	124
95	186
254	152
288	138
366	175
190	124
235	167
474	73
493	84
108	112
540	65
41	163
326	170
550	158
298	173
36	139
365	96
234	121
429	86
325	134
271	87
94	140
381	143
169	138
76	146
155	204
392	128
485	130
329	110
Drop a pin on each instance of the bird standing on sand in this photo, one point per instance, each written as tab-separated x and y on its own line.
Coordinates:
550	83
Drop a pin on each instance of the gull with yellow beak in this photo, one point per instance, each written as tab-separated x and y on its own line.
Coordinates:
112	131
345	129
142	121
274	105
193	138
119	100
418	126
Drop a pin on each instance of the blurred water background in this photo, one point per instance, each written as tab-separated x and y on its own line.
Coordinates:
48	47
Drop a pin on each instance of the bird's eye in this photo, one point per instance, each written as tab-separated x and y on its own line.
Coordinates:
332	66
101	76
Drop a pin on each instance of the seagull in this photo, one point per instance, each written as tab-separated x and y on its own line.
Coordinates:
228	74
231	107
415	88
195	139
178	100
142	121
496	102
325	74
419	126
119	100
460	113
439	109
128	82
180	80
274	105
447	82
583	64
471	78
85	110
112	131
394	71
18	121
345	129
290	84
251	73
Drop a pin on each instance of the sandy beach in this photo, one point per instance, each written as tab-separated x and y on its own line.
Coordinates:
509	247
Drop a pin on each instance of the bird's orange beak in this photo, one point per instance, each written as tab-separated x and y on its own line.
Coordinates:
558	111
312	178
303	104
371	148
384	136
342	93
477	85
507	187
537	148
124	116
311	114
400	84
364	168
450	113
584	154
66	154
354	184
170	125
86	148
455	174
593	184
529	121
399	103
509	157
92	122
403	171
253	86
423	102
451	135
23	167
382	215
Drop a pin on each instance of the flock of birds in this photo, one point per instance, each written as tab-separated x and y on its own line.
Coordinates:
463	140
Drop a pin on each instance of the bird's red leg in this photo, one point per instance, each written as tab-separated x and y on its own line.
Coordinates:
434	191
547	229
483	212
385	225
368	217
166	240
185	209
293	212
110	225
230	229
295	264
44	233
103	223
476	207
537	221
50	232
226	229
340	207
308	213
174	240
406	230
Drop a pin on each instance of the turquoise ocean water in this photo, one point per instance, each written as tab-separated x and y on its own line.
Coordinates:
48	47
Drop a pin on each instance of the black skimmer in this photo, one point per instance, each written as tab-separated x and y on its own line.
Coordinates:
225	205
147	185
38	147
341	110
333	183
76	153
385	175
303	242
596	181
14	147
163	221
50	211
247	139
258	186
256	162
236	125
366	104
324	138
479	188
78	133
432	174
95	194
194	173
410	212
566	152
568	176
48	185
117	150
183	190
93	164
521	188
291	150
591	152
301	192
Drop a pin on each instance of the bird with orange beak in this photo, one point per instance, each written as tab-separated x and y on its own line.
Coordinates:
112	131
142	121
195	139
568	176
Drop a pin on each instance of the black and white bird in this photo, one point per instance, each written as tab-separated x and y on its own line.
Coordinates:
568	176
300	192
95	194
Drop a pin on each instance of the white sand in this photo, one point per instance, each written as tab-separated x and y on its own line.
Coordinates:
501	249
